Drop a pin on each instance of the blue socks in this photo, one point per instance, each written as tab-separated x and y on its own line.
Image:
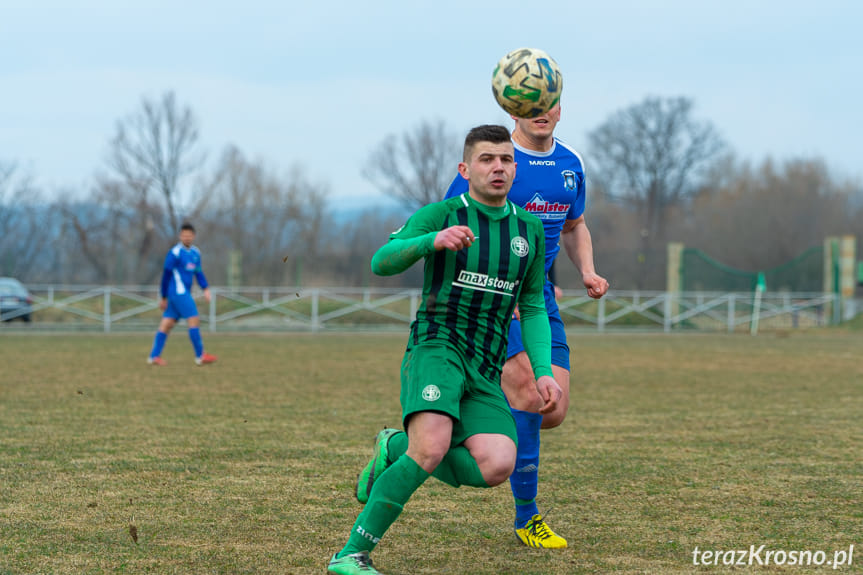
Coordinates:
197	343
162	337
158	343
525	478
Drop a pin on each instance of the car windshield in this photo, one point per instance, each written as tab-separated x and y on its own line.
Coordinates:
12	287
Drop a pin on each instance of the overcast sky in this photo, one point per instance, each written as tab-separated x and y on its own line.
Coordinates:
320	83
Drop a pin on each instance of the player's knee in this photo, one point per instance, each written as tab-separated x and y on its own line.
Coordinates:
555	418
496	463
427	455
498	471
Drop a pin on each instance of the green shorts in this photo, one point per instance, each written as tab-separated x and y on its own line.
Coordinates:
436	377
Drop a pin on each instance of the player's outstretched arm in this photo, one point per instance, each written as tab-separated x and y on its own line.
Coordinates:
202	281
578	245
397	255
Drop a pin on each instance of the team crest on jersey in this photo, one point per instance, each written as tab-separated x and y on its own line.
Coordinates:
568	179
519	246
431	393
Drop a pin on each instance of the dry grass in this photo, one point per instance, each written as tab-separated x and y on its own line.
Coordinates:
246	466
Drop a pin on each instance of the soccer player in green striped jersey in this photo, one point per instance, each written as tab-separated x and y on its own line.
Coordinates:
483	256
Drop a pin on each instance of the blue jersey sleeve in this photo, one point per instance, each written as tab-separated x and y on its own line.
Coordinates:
576	209
167	273
202	280
170	261
166	282
457	187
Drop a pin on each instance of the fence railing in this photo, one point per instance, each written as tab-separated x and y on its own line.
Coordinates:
135	308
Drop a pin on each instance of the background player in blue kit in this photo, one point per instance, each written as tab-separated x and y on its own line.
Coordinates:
182	267
549	183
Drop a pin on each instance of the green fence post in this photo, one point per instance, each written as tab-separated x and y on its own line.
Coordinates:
760	288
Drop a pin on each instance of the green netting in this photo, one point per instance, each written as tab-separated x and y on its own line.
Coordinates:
700	272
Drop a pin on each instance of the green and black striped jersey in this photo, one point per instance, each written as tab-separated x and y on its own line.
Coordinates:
469	295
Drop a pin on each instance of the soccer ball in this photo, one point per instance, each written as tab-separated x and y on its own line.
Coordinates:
527	83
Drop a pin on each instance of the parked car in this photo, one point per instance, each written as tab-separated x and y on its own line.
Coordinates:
15	300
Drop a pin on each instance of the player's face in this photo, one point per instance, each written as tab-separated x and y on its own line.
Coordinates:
187	238
489	172
541	127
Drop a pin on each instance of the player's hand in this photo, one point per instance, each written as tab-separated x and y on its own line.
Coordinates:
163	304
558	293
454	238
596	285
550	392
207	294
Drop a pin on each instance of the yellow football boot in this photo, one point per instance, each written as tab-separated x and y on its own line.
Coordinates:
536	533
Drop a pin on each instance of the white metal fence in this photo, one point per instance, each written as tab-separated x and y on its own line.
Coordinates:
135	308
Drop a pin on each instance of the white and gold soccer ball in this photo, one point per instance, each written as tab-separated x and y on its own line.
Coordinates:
527	83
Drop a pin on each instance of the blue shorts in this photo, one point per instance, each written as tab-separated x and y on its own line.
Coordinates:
559	347
181	306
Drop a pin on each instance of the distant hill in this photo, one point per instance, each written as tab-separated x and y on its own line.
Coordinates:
343	209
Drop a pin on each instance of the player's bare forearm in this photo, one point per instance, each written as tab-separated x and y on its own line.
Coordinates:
578	245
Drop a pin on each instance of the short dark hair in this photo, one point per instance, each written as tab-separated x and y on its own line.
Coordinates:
485	133
187	226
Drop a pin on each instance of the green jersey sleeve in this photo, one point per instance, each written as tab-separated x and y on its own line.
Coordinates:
411	242
535	330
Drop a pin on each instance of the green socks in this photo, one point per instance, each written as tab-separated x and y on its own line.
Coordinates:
457	468
389	494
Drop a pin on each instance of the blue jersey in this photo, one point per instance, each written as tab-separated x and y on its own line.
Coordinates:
182	266
550	185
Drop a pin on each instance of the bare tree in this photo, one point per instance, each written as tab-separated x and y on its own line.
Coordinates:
651	155
134	210
153	150
417	167
759	218
114	232
272	221
23	230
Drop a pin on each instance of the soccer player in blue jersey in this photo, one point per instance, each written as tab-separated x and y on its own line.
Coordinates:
549	183
182	267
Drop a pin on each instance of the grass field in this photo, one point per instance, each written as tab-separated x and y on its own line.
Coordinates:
719	442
